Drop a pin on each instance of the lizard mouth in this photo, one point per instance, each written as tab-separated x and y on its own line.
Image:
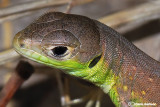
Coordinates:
37	57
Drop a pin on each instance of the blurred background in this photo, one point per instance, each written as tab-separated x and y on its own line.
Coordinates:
42	89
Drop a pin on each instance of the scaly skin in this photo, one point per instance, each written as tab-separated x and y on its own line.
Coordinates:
90	50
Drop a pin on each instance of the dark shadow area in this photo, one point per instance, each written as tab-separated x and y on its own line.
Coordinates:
37	94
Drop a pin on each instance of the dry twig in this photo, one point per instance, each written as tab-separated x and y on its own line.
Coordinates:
23	9
8	55
128	19
29	6
22	73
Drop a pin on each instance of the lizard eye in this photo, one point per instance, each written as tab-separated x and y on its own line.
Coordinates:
59	50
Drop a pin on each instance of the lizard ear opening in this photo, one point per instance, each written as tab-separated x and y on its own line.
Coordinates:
94	61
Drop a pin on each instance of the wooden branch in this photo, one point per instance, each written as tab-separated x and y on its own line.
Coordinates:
8	55
15	16
29	6
128	19
23	71
23	9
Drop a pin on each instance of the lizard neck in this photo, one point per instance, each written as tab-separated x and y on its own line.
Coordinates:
135	74
100	75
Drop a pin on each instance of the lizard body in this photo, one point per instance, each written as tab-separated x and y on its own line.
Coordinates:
88	49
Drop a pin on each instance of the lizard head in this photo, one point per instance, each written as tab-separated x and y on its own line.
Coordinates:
65	41
69	42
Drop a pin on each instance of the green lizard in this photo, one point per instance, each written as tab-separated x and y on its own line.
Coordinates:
88	49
